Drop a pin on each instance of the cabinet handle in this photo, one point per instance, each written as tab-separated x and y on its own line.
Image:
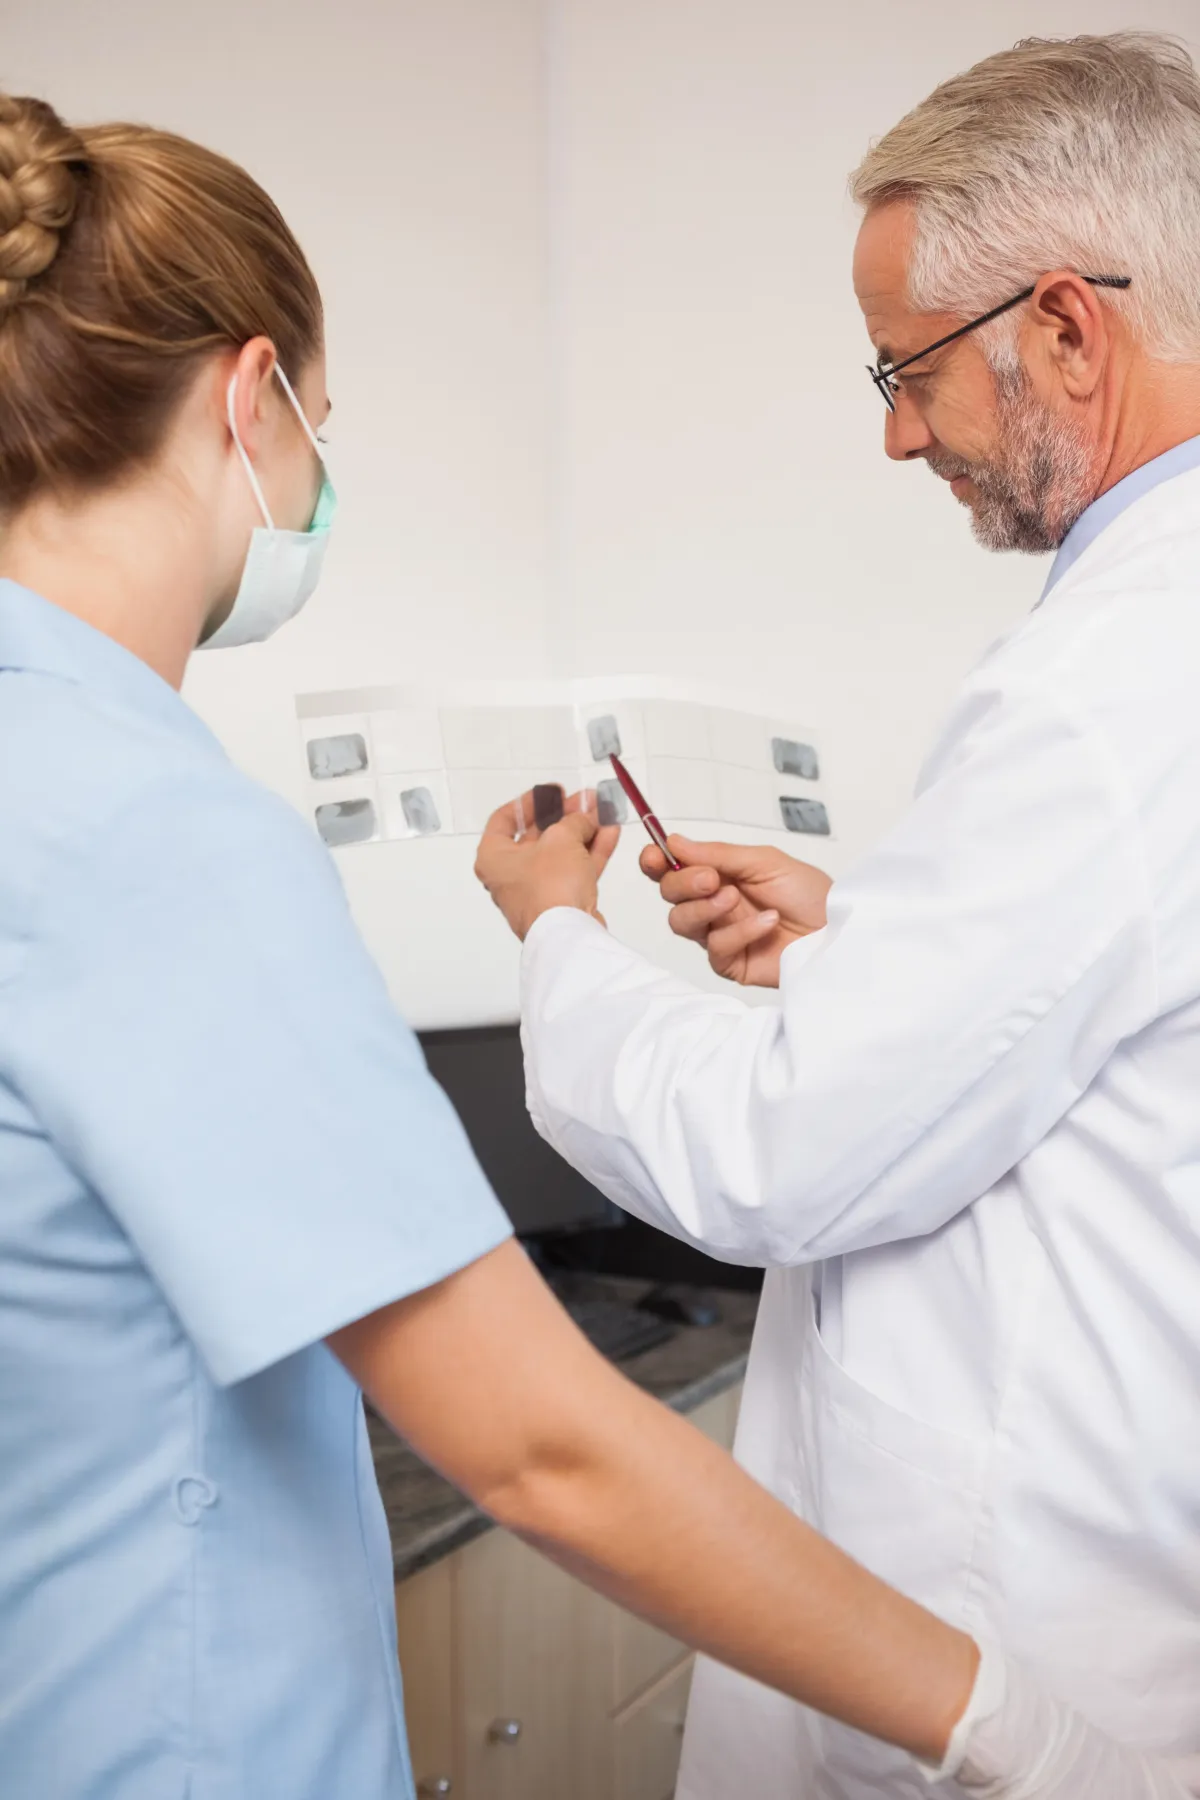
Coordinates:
504	1731
435	1788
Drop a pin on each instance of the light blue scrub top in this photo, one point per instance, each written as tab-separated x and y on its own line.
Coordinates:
218	1142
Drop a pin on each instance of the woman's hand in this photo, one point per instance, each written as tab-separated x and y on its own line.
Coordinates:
1016	1742
560	866
745	903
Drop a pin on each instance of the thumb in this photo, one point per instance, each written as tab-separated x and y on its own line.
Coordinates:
736	861
581	826
602	846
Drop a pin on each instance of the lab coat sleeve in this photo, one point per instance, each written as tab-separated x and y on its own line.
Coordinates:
976	971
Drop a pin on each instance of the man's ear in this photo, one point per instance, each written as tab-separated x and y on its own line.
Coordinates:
1072	332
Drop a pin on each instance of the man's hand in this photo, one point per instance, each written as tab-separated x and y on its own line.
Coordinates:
558	867
744	903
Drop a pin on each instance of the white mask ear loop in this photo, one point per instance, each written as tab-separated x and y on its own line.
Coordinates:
300	413
263	508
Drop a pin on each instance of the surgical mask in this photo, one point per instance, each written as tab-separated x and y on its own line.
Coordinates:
282	567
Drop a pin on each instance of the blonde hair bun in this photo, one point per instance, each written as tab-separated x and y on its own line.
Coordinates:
40	160
129	259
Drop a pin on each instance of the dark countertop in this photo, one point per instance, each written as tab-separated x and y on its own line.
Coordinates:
428	1518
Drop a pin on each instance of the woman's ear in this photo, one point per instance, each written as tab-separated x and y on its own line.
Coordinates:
252	376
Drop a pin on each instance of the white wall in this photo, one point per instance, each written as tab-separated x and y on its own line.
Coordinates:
405	142
727	508
596	366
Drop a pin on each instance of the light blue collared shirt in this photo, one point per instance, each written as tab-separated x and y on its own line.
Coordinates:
1101	513
218	1143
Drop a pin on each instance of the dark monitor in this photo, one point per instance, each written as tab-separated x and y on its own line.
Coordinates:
482	1072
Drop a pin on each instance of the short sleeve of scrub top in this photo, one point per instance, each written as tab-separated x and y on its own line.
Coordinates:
211	1047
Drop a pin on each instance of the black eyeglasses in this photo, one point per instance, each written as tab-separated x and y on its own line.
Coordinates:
883	373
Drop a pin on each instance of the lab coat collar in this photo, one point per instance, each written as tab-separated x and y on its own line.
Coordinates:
39	637
1102	512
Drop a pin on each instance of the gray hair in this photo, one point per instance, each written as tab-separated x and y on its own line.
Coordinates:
1081	154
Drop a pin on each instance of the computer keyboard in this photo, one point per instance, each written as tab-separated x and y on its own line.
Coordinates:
617	1330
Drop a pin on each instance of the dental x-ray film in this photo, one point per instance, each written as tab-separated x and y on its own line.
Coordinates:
413	763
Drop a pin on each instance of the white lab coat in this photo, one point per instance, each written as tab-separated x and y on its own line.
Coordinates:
966	1146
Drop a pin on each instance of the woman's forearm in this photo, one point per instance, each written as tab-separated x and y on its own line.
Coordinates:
491	1383
658	1518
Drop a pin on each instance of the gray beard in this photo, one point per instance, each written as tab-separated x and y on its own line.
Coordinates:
1038	483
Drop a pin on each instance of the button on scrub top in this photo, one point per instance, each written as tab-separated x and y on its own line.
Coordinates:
218	1143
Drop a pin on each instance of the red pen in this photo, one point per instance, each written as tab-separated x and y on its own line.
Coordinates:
641	807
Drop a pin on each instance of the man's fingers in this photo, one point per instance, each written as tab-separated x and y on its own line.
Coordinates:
602	846
519	816
505	822
727	942
703	866
509	821
731	860
694	919
582	826
679	885
606	837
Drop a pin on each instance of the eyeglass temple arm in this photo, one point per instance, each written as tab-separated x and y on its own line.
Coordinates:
889	369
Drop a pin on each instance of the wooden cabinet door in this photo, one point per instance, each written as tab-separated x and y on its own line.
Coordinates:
649	1738
534	1653
425	1633
496	1636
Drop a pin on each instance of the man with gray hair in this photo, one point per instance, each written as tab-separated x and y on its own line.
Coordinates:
966	1141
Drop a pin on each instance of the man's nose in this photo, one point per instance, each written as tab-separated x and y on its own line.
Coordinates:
906	435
